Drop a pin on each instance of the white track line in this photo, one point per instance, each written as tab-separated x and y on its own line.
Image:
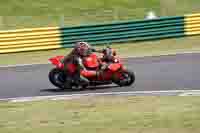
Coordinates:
170	54
23	65
62	97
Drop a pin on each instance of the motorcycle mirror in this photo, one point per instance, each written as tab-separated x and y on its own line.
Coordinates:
114	53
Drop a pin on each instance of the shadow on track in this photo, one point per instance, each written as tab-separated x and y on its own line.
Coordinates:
79	90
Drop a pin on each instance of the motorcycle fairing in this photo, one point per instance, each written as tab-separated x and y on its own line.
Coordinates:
91	62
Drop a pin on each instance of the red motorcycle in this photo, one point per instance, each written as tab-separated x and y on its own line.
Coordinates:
115	72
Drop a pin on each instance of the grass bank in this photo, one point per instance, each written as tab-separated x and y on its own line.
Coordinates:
103	114
25	14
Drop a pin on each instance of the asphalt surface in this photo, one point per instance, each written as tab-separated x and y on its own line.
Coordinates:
175	72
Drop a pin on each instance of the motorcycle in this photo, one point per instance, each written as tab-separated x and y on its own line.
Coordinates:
115	72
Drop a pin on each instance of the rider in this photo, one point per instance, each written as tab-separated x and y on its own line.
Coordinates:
80	51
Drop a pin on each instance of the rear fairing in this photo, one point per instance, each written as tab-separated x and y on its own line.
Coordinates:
57	61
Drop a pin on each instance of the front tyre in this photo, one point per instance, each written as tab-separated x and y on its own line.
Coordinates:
57	78
127	78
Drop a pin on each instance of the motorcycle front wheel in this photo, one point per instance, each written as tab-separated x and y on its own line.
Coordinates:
127	78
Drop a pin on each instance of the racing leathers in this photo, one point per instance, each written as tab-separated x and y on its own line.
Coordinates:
81	72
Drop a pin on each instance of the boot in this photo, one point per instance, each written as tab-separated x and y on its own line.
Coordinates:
67	83
83	81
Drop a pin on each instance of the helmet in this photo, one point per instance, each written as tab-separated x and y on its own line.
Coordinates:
82	48
82	44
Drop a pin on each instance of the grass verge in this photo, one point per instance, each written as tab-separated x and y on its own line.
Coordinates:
103	114
25	14
139	49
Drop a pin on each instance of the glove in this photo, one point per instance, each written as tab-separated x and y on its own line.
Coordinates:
62	60
104	66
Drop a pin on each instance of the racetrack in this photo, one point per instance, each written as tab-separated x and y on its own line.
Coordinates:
152	73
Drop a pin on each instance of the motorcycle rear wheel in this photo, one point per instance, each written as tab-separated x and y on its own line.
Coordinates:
57	78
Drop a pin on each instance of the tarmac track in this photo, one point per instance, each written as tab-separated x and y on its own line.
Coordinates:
174	72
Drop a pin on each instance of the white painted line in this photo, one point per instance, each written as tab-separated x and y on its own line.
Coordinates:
23	65
190	94
169	54
72	96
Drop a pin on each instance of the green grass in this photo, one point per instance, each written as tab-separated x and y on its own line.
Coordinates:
26	13
149	48
103	115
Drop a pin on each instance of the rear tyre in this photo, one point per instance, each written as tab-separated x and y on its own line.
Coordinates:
127	78
57	78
